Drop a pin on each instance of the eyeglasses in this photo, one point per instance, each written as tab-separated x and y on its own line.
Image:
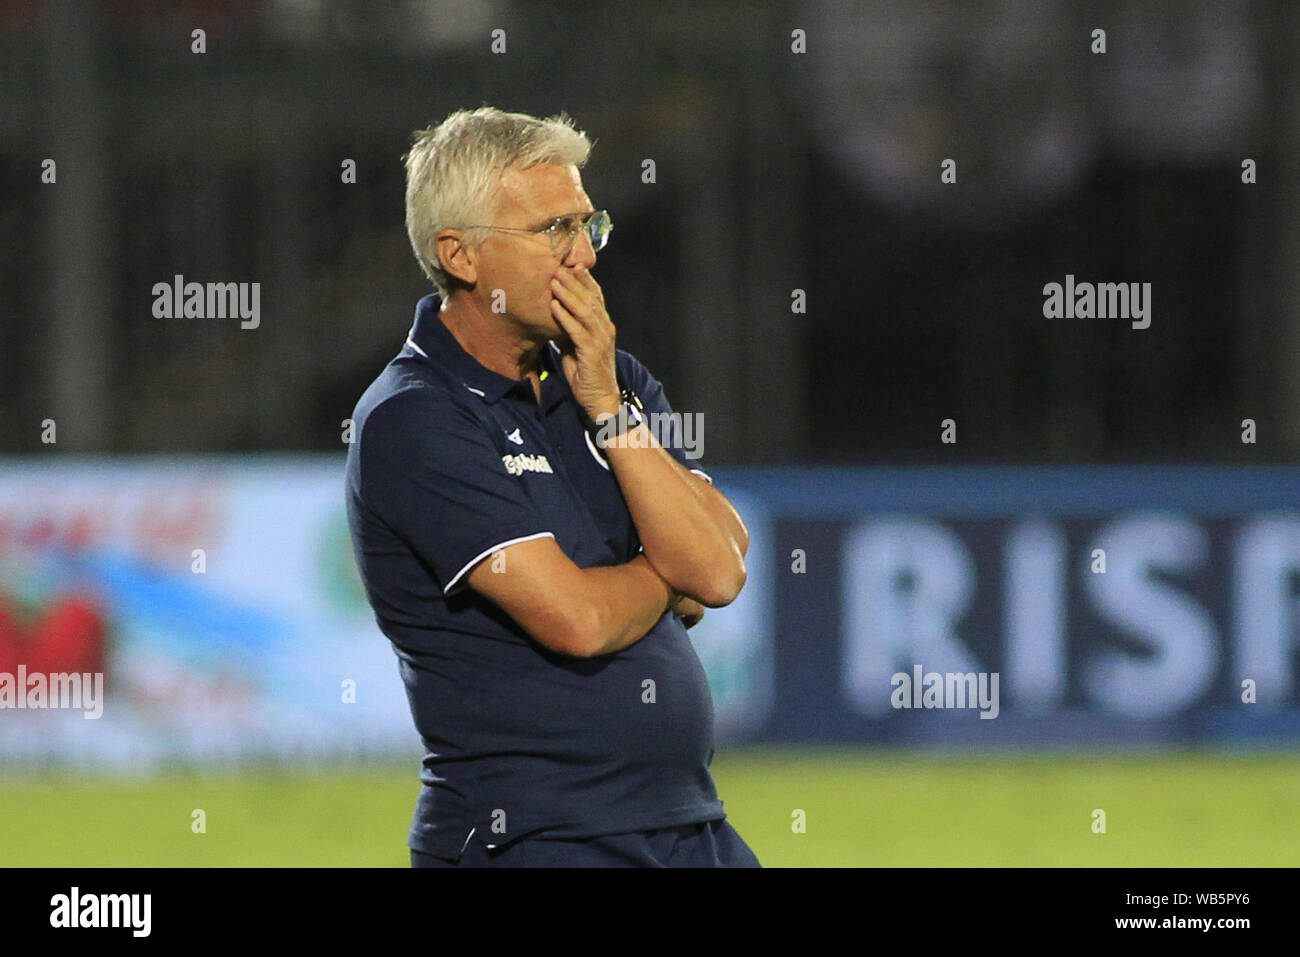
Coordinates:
563	231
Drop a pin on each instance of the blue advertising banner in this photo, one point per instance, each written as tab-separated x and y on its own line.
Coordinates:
208	609
1033	606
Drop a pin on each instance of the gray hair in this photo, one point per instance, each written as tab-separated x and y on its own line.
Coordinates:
453	172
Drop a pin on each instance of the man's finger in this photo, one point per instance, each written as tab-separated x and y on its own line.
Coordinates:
688	610
567	321
582	282
573	299
584	276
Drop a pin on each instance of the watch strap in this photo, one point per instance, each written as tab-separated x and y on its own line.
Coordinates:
630	414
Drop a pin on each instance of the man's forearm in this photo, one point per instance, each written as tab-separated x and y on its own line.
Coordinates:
723	512
626	602
689	541
688	530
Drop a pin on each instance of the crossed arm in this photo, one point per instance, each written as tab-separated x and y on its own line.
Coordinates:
693	540
690	533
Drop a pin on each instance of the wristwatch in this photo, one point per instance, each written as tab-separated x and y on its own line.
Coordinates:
630	414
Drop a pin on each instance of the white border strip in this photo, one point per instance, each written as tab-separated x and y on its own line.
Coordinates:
411	342
591	447
484	554
703	475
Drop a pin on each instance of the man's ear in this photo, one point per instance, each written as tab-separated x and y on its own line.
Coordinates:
456	257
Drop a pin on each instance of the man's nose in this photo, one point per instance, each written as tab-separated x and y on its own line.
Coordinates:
582	252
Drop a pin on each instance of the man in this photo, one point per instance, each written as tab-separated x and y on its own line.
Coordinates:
530	548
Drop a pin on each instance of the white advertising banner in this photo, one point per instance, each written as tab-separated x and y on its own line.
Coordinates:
218	601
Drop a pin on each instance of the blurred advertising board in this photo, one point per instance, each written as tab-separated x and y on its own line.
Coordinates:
1104	605
218	598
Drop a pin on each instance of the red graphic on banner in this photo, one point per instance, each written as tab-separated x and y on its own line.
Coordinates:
68	635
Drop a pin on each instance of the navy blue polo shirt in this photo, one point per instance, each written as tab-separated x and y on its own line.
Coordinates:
449	463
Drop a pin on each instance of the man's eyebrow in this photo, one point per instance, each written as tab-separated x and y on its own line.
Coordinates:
547	222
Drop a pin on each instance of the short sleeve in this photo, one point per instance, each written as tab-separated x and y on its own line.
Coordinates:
429	469
682	434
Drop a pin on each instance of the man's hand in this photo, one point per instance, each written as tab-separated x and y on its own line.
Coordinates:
587	358
691	535
688	610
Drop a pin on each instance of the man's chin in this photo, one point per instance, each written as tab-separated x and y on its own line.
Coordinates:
554	330
541	333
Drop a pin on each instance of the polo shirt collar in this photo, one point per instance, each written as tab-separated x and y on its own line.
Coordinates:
432	340
555	387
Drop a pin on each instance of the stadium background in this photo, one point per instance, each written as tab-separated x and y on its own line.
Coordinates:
249	680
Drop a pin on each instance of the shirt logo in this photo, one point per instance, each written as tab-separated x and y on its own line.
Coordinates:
519	464
515	437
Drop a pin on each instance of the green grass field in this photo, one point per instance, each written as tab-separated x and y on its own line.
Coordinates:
863	808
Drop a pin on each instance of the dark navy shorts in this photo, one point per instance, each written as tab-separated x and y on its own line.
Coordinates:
707	844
